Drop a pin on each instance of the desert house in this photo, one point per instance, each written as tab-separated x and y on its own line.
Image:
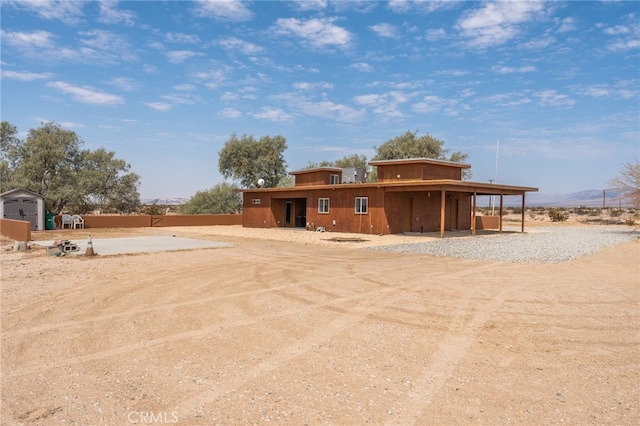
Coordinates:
21	204
410	195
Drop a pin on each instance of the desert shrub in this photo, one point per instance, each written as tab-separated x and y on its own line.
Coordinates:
557	215
615	212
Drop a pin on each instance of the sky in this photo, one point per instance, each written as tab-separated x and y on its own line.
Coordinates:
540	94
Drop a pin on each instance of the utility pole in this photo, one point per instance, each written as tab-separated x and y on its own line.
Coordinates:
604	198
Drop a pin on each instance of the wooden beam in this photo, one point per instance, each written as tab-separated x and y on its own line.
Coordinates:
473	213
522	228
442	209
501	210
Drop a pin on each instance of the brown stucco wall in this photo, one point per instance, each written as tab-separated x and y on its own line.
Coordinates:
319	177
487	222
196	220
17	230
144	221
390	173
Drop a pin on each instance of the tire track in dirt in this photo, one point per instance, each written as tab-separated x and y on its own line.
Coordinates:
447	357
352	317
193	333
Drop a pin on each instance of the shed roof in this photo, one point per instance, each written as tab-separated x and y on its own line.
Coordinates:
20	190
419	161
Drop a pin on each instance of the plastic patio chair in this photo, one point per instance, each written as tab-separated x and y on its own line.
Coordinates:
67	219
78	221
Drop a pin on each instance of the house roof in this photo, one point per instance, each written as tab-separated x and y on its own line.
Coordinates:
316	169
419	161
8	193
450	185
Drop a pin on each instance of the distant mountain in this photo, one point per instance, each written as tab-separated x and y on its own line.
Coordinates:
164	201
586	198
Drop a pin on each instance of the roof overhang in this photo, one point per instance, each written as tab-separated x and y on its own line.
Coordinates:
316	169
449	185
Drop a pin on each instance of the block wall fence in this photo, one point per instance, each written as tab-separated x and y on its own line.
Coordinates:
20	230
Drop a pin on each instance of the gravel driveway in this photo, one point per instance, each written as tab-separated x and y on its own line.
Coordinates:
541	245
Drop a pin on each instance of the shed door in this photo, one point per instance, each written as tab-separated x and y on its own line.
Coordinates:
22	209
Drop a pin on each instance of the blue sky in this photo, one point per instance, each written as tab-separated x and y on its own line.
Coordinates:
165	84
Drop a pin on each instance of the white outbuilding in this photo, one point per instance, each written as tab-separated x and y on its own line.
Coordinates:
21	204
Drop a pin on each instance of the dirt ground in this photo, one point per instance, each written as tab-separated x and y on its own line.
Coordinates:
298	330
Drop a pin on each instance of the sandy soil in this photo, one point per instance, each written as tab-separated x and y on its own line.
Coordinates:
287	327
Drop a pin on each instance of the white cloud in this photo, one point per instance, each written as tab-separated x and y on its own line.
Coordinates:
26	76
230	113
182	38
110	14
385	30
104	46
567	25
329	110
552	98
512	70
496	22
71	125
27	41
312	86
406	6
211	79
87	95
184	87
177	56
68	12
306	5
435	34
160	106
539	43
124	83
230	10
273	114
234	43
181	99
319	32
362	67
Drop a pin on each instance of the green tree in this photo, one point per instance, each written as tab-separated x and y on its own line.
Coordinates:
410	145
221	199
248	160
628	183
8	146
106	183
355	160
50	162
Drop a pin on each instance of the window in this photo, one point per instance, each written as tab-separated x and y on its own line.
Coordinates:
362	205
255	201
323	205
334	179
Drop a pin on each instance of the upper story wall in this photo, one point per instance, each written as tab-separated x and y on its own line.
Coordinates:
318	176
418	169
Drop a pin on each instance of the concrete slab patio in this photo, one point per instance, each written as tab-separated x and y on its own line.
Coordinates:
148	244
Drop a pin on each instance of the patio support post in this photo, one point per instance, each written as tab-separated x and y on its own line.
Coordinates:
522	228
473	213
442	208
501	207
